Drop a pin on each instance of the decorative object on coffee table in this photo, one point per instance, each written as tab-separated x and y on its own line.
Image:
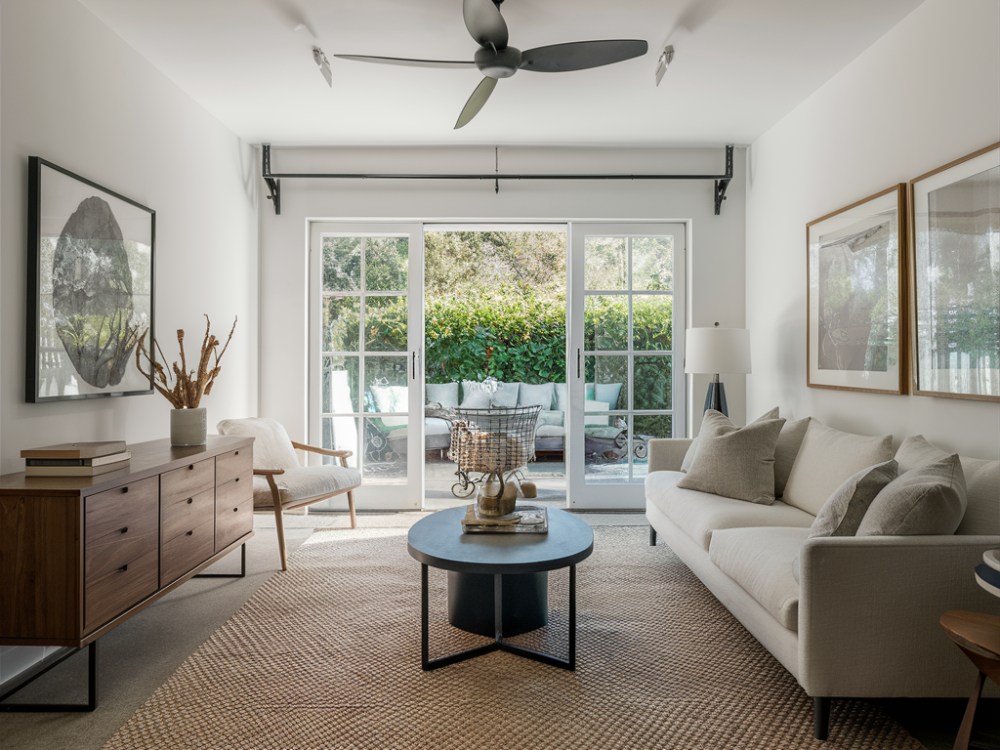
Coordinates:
184	388
714	351
89	286
525	519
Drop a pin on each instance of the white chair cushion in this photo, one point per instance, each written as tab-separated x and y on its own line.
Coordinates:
297	486
272	448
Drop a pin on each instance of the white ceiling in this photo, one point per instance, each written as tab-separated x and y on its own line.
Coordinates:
740	66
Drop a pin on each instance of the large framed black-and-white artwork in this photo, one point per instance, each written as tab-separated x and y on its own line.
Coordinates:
857	317
90	287
955	278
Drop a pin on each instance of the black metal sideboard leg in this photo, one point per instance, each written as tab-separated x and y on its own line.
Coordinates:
652	537
821	717
90	705
241	574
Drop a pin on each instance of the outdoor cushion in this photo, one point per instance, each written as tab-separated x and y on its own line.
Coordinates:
550	430
927	500
505	395
608	392
592	419
760	560
474	396
541	394
562	397
736	462
445	394
841	515
297	486
827	458
272	448
554	418
699	514
435	426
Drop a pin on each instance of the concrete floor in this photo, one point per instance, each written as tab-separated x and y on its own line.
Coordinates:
140	655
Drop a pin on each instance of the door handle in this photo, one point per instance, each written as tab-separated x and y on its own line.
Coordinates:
414	365
578	357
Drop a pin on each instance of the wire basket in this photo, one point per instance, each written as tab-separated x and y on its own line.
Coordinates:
493	440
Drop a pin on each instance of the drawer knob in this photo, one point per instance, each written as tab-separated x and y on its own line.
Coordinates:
125	530
237	453
124	489
191	467
123	568
235	510
190	532
237	479
190	500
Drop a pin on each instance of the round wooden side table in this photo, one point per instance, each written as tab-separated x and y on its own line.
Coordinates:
978	636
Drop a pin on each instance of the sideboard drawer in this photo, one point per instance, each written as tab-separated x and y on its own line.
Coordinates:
180	515
186	550
132	506
111	594
232	521
237	463
188	481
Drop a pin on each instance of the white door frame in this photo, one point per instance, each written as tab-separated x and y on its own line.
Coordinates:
372	495
615	496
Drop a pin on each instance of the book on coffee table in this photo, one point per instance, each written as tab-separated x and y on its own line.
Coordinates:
526	519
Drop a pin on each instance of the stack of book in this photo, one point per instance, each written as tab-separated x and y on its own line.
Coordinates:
76	459
526	519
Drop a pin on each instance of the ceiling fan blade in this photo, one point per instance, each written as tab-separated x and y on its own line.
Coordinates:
476	101
484	22
407	61
557	58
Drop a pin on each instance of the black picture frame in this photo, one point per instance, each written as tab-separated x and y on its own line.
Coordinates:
90	287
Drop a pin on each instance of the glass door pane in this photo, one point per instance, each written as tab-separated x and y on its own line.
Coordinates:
366	352
626	308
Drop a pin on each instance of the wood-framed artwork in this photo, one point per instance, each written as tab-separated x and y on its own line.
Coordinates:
955	278
90	287
857	317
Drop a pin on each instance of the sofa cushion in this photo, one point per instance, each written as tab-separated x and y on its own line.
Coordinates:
541	394
474	396
787	448
505	395
594	419
550	430
553	418
827	458
699	514
760	560
927	500
445	394
982	483
736	462
841	515
693	449
561	400
435	426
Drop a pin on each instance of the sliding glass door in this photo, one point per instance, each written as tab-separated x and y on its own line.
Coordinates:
366	326
626	372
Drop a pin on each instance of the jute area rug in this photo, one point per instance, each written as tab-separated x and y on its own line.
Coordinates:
327	655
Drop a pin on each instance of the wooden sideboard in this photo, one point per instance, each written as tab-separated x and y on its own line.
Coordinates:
80	555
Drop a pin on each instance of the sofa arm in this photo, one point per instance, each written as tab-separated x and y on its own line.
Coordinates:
869	612
667	454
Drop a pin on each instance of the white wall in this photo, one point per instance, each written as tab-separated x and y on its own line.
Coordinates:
925	94
715	265
74	93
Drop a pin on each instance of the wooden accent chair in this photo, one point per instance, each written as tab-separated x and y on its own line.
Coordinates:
280	482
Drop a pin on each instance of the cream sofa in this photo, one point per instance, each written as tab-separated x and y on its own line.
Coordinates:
863	621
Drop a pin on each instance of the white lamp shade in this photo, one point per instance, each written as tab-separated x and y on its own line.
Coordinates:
717	350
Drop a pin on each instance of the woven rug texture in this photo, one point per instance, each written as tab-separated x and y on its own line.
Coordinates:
327	656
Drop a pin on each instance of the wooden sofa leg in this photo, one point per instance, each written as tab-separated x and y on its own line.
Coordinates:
821	717
652	537
350	505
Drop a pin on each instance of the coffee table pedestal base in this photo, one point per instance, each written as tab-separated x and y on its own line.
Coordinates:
525	602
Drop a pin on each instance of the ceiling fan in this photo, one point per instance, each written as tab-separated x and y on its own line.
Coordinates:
496	59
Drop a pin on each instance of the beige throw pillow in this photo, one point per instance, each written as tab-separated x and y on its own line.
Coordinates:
789	442
693	448
827	458
926	500
842	514
736	462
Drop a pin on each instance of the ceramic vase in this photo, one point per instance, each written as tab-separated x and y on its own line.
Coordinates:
188	426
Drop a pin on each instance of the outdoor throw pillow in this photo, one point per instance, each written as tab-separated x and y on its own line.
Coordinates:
927	500
736	462
536	395
474	396
445	394
827	458
693	448
841	515
505	395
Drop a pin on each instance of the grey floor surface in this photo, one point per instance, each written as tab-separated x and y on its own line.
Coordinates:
140	655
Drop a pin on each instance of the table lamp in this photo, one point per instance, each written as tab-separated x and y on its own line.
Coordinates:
710	351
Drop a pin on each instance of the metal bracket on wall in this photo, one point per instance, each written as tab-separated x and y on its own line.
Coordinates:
274	180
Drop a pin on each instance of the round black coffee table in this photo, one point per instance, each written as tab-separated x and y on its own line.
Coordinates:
510	559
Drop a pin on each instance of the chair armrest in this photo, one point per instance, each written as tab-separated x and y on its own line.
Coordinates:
869	612
267	472
342	455
667	454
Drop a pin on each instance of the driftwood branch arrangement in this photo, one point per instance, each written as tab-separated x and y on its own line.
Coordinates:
181	387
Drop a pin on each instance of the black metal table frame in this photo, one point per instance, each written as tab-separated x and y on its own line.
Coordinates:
499	644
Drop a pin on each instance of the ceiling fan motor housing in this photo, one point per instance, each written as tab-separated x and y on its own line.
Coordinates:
501	63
